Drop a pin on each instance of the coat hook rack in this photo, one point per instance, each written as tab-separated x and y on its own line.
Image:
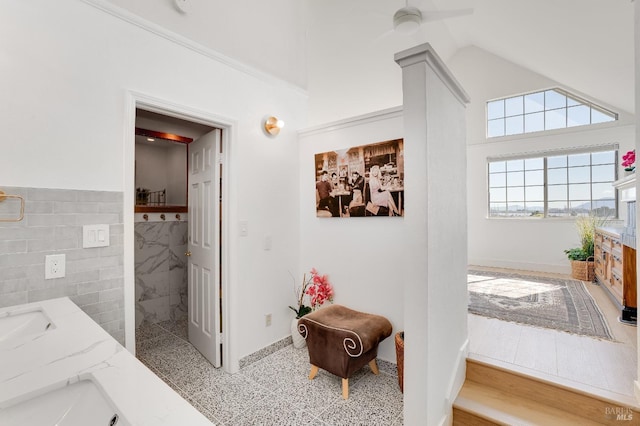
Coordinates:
3	197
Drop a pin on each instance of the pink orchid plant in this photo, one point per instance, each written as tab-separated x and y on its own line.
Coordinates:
318	289
628	160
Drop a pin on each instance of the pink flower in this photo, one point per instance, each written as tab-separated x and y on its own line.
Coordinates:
320	289
629	158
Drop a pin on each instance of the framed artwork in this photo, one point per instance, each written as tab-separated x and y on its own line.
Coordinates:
362	181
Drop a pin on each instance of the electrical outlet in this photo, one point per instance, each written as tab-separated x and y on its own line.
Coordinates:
267	320
54	266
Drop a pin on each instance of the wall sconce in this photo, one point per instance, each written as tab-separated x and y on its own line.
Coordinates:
272	125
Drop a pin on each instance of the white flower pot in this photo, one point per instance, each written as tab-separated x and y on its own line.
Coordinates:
298	341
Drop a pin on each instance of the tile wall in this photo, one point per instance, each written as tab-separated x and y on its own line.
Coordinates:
52	224
161	270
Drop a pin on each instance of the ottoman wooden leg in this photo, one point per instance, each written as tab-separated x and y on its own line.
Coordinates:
314	371
345	388
373	366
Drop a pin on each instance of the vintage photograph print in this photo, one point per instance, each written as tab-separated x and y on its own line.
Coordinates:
362	181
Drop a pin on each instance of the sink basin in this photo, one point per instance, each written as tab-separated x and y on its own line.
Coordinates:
17	327
79	404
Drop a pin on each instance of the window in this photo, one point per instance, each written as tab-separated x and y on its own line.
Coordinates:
566	184
545	110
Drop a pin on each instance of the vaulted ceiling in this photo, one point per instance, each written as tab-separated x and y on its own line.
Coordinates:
341	51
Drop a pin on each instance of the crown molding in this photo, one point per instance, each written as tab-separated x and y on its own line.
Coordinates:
127	16
385	114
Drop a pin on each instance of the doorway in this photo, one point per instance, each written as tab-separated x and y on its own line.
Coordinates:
175	274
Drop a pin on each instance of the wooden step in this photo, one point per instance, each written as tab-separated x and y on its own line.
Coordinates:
497	395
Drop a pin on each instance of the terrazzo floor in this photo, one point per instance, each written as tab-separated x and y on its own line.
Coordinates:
272	391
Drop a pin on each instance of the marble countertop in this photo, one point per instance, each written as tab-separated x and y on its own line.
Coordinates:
75	348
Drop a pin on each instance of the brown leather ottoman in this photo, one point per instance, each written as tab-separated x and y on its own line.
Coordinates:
341	341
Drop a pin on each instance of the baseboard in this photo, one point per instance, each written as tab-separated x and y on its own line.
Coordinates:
458	378
524	266
264	352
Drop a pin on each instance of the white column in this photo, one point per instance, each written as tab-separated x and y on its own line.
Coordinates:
436	222
637	147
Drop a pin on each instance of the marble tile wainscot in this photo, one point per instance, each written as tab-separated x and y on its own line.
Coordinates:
161	269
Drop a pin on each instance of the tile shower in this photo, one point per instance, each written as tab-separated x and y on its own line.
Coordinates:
160	269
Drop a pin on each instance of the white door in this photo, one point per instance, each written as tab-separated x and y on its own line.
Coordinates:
204	246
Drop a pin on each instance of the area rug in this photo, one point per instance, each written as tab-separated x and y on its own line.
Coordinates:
559	304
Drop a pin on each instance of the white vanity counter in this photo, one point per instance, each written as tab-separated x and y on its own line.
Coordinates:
49	345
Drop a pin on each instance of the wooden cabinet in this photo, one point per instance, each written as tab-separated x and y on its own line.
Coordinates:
615	269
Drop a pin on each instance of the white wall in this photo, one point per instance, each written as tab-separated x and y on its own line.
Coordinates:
67	68
267	35
529	244
363	256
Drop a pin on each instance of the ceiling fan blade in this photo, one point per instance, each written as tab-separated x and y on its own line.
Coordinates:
436	15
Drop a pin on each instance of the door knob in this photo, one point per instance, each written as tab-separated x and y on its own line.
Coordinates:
188	254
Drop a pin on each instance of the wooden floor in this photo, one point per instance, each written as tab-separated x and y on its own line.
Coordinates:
586	362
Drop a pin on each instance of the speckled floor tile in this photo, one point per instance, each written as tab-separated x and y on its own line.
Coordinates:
274	411
230	395
147	331
179	328
274	390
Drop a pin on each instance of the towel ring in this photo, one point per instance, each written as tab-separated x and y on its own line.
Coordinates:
3	197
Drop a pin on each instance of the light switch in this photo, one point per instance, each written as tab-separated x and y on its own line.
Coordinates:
95	236
244	228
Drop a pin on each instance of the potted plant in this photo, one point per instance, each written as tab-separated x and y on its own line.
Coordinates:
319	290
582	261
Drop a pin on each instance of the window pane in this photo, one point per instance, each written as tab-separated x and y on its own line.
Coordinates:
515	165
571	101
534	193
580	191
580	207
497	179
604	208
498	166
534	177
534	102
535	209
560	161
515	209
558	208
495	109
555	176
555	119
600	117
578	116
534	122
515	125
497	194
579	174
602	191
534	163
606	157
603	173
515	194
554	100
514	106
557	192
580	159
498	209
515	179
495	128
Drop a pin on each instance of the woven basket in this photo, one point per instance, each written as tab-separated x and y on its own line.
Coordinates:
583	270
400	358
